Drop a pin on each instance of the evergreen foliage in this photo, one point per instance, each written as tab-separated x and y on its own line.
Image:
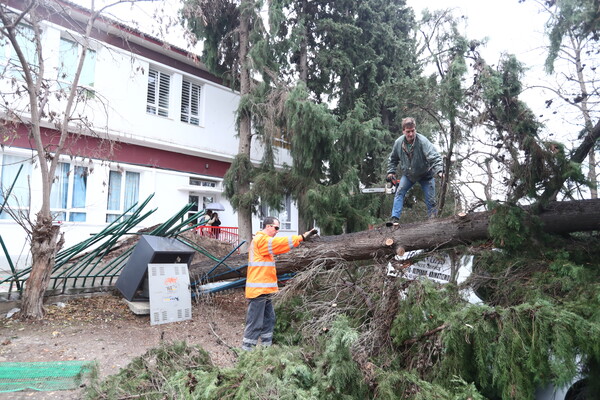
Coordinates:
512	228
335	117
561	271
329	160
241	170
269	373
312	125
533	166
266	373
337	77
352	332
507	352
216	23
149	375
581	17
406	385
220	45
510	351
339	376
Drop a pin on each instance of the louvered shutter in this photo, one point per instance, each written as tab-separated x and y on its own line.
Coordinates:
190	102
185	101
163	95
157	100
151	97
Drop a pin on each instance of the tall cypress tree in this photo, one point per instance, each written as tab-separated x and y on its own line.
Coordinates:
340	55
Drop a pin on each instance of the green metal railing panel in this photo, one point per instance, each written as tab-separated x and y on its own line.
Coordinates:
85	264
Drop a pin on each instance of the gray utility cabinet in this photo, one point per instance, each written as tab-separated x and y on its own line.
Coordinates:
133	281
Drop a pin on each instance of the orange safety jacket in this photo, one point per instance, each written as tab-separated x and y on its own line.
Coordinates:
261	277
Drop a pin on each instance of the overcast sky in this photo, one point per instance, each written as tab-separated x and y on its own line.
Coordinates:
510	26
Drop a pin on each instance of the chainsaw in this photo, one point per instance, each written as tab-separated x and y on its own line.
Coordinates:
390	187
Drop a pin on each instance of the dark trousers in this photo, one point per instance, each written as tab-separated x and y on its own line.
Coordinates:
260	321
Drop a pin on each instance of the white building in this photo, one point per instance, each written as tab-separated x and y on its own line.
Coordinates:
170	126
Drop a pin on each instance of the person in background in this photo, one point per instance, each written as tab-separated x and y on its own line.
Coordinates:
207	220
261	280
215	223
419	162
207	217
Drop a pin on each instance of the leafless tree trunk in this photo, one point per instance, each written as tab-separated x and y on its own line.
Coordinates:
447	165
44	246
45	236
592	174
302	65
245	142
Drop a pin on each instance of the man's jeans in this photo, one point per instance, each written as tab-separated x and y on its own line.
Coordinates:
260	321
428	185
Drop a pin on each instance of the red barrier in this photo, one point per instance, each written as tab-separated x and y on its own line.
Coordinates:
227	234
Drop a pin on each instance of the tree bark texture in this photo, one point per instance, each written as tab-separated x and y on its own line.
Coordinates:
245	125
385	242
44	245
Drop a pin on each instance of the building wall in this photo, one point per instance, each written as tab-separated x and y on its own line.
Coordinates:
163	150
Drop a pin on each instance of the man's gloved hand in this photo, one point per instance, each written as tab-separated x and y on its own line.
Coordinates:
308	234
390	177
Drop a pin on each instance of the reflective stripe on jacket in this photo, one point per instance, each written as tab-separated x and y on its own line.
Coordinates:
261	277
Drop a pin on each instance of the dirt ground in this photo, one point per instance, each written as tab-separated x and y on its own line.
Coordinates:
102	328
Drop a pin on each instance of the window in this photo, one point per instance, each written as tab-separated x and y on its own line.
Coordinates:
202	182
67	200
123	193
190	102
8	55
284	215
18	200
193	199
157	100
69	60
281	139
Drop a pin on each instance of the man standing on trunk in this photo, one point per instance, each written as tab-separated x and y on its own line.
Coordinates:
419	162
261	280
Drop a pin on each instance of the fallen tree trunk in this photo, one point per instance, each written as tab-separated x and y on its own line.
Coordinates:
385	242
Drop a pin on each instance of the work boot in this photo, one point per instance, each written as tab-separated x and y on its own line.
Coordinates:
394	221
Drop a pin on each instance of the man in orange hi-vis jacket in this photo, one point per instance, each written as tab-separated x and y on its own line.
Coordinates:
261	280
